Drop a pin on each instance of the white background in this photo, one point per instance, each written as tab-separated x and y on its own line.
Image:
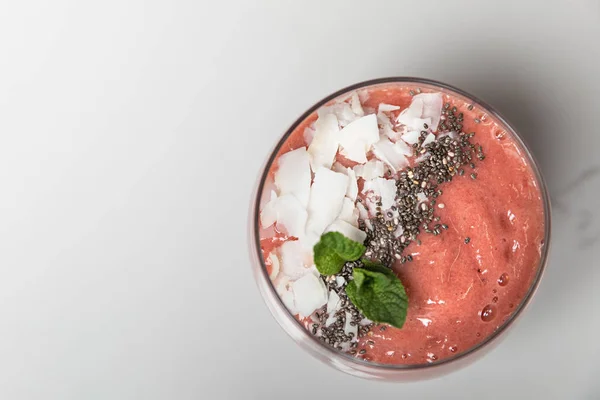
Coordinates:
132	133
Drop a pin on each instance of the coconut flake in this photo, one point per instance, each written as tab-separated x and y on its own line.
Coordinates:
423	157
363	95
349	212
387	128
432	108
348	328
411	137
326	198
293	175
357	137
383	107
401	147
287	212
409	115
428	139
333	305
284	290
309	134
388	192
338	167
399	231
325	143
387	152
310	293
355	105
310	239
383	119
371	199
340	281
333	302
274	266
362	211
288	300
370	170
425	108
296	260
390	133
384	188
365	322
291	216
352	189
342	111
330	320
282	283
452	134
268	215
347	230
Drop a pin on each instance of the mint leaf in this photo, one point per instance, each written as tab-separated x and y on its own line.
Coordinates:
359	279
333	250
378	293
373	266
368	263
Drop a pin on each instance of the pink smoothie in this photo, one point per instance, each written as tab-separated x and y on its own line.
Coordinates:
460	293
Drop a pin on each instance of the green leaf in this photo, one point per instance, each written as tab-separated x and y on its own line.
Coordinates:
358	280
333	250
374	265
371	266
378	293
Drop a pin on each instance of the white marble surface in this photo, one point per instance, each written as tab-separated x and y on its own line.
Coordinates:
132	134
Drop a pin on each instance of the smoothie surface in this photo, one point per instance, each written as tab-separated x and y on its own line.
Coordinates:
465	282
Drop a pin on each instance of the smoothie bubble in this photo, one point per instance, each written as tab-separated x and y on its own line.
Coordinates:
488	313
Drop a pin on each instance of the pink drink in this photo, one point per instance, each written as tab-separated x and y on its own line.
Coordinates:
464	283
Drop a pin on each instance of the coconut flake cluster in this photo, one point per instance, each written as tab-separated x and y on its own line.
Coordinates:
316	187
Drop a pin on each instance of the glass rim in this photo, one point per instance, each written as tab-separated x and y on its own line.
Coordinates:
316	345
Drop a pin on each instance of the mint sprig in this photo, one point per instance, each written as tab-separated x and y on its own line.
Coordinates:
333	250
375	290
378	293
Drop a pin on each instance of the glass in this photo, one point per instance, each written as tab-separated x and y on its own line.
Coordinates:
346	362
